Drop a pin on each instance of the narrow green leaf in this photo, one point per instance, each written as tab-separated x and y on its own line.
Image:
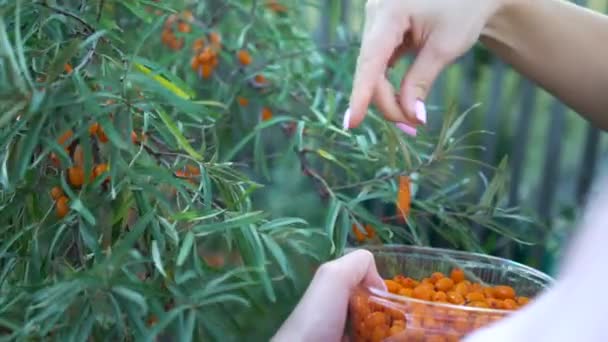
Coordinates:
181	140
158	263
185	249
330	221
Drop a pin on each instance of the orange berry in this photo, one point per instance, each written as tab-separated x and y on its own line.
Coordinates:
440	296
243	102
152	320
215	39
266	114
392	286
375	319
93	128
193	170
424	292
65	137
260	79
56	192
396	330
181	174
61	207
198	44
509	304
435	338
462	288
523	300
407	282
54	160
457	275
444	284
455	298
101	135
488	292
479	304
188	16
195	63
244	57
133	137
184	27
68	68
370	231
379	333
100	169
358	234
435	276
406	291
206	71
504	292
76	176
475	297
276	7
495	303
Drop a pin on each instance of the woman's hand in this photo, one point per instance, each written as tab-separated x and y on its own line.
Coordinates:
437	31
321	313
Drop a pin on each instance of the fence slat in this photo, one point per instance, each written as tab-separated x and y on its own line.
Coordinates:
588	163
521	139
551	168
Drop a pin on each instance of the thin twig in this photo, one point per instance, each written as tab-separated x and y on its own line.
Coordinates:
68	14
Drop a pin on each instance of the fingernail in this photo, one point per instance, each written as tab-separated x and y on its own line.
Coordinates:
346	122
420	111
407	129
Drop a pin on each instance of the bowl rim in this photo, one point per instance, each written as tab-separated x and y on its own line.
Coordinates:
385	294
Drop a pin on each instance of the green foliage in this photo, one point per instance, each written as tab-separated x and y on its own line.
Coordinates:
179	237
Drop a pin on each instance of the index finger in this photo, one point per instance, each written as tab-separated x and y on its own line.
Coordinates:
377	48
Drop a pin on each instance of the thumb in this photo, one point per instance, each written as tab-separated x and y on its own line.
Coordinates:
418	81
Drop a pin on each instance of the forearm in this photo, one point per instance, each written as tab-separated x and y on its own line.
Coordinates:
561	46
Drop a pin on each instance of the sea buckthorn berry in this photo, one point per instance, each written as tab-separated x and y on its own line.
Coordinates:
216	41
100	169
133	137
243	102
406	291
457	275
267	115
260	79
370	231
440	296
462	288
358	234
65	137
392	286
488	292
509	304
68	68
479	304
76	176
244	57
495	303
523	300
396	329
399	322
206	71
195	63
379	333
101	135
435	338
375	319
424	292
93	129
184	27
195	171
504	292
198	44
436	276
61	207
455	298
475	297
476	287
56	193
408	282
276	7
444	284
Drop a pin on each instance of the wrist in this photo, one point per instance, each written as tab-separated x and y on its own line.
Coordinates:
500	20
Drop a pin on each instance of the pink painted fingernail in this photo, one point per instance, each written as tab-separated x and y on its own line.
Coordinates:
346	122
407	129
421	111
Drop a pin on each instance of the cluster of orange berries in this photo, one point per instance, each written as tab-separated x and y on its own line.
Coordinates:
206	50
427	320
189	173
180	23
369	234
75	173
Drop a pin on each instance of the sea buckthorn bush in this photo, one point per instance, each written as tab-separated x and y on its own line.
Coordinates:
178	169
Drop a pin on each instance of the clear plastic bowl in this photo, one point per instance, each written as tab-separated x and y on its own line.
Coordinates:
433	321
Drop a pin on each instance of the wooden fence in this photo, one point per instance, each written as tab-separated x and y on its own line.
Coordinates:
567	150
